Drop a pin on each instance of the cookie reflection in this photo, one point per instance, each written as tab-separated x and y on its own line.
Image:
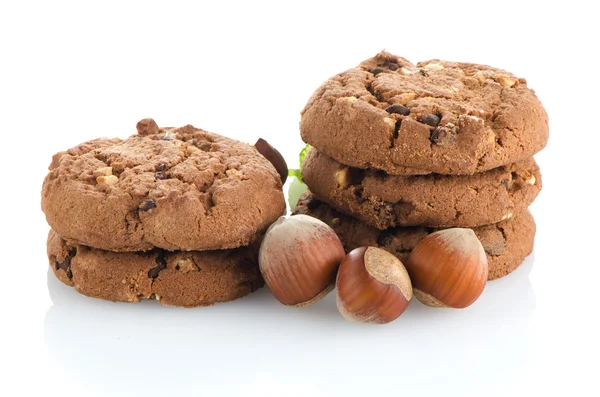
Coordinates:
234	348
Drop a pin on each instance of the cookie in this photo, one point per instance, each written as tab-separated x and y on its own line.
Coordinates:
438	116
183	278
506	243
171	188
382	200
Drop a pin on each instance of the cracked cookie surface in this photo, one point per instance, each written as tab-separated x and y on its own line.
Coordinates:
506	243
436	116
171	188
184	278
382	200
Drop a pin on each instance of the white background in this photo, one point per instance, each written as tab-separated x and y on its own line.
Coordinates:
70	72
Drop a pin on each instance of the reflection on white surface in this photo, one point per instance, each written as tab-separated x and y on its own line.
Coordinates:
255	346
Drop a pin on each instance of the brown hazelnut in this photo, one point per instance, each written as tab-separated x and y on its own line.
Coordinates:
372	286
298	258
448	268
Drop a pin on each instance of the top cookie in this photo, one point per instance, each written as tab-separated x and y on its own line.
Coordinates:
172	188
437	116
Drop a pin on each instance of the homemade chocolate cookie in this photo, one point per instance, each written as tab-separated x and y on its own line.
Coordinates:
438	116
171	188
189	278
506	243
384	200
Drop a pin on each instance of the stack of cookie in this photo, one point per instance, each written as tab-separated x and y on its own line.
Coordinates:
172	214
400	150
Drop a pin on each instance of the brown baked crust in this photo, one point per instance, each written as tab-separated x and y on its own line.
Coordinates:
176	189
487	117
184	278
384	201
506	243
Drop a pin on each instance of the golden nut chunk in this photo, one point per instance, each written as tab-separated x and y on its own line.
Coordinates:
349	99
107	180
433	66
342	177
192	149
505	81
480	76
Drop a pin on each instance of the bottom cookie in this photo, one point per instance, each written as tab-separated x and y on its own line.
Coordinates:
506	243
180	278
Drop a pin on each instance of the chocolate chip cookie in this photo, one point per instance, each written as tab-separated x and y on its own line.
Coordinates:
506	243
188	279
436	116
171	188
382	200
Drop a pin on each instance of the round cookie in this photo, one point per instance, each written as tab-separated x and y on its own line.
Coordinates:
384	200
506	243
171	188
184	278
437	116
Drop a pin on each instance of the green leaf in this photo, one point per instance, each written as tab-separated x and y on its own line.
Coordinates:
295	172
303	154
298	172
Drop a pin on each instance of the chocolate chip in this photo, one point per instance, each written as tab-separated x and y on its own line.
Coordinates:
393	66
160	167
430	119
65	265
403	209
147	205
384	238
424	72
153	273
376	71
313	204
274	157
397	129
161	264
146	127
397	108
205	147
444	135
159	175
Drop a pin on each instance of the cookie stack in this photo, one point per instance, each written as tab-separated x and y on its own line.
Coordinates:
400	150
172	214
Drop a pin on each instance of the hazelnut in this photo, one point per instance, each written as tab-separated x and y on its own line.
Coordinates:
191	150
349	99
448	268
480	76
298	258
107	180
270	153
505	81
372	286
342	178
433	66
